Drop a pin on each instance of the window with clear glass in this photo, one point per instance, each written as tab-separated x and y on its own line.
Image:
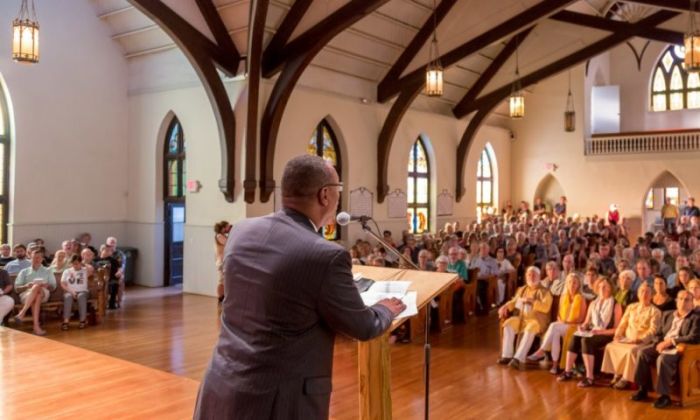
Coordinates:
649	202
174	163
484	184
324	143
674	194
672	87
418	189
4	167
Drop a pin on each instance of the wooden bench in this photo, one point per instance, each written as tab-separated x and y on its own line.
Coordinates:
687	388
97	302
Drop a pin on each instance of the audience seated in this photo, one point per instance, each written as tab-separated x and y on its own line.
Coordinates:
74	283
624	295
636	329
107	260
594	334
527	313
5	254
681	326
60	261
505	268
662	299
571	312
34	285
20	262
6	301
694	290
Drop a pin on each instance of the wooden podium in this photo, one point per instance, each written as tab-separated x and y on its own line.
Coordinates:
374	356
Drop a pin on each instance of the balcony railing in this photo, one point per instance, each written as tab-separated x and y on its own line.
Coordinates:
643	142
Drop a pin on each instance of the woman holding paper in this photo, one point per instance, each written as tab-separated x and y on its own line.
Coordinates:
637	329
596	331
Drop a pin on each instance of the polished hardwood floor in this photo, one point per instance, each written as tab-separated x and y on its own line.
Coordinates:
168	331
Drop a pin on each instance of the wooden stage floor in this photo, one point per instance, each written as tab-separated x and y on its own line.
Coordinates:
164	330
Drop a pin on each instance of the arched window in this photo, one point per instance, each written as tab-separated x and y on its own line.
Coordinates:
484	184
174	164
323	143
4	166
418	188
672	87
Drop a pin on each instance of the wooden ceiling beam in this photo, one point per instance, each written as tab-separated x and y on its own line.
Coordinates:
386	136
258	16
321	33
490	72
595	22
416	43
179	29
465	143
204	56
573	59
294	59
516	24
218	29
286	29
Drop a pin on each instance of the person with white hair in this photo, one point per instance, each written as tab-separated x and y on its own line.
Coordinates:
527	313
624	295
664	269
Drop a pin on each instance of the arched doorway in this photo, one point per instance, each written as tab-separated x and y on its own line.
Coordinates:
549	190
666	185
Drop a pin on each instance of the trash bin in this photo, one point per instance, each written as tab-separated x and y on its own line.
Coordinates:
129	255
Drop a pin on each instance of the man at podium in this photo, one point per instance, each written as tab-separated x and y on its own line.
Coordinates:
288	291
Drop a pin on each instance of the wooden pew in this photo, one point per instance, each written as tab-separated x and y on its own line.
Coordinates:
97	285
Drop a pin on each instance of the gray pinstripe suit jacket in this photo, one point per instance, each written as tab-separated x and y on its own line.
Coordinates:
288	291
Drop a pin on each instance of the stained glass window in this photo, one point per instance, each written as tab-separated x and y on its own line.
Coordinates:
673	88
175	163
323	143
418	189
484	183
4	166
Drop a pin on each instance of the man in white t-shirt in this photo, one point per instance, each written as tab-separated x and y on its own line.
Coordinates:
74	283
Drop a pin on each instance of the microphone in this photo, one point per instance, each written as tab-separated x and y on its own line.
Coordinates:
343	218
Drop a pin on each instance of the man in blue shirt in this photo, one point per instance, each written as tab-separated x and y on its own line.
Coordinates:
34	285
20	262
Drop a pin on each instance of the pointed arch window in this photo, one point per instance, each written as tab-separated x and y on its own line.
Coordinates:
4	166
673	88
174	165
418	188
484	184
324	143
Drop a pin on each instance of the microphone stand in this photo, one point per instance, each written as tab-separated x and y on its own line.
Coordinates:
426	345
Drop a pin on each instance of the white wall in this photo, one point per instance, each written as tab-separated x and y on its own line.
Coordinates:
149	115
70	127
620	68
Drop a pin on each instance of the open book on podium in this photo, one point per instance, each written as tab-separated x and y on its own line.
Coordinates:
374	356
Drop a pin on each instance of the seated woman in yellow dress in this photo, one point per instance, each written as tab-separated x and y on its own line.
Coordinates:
530	306
636	330
572	311
597	330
